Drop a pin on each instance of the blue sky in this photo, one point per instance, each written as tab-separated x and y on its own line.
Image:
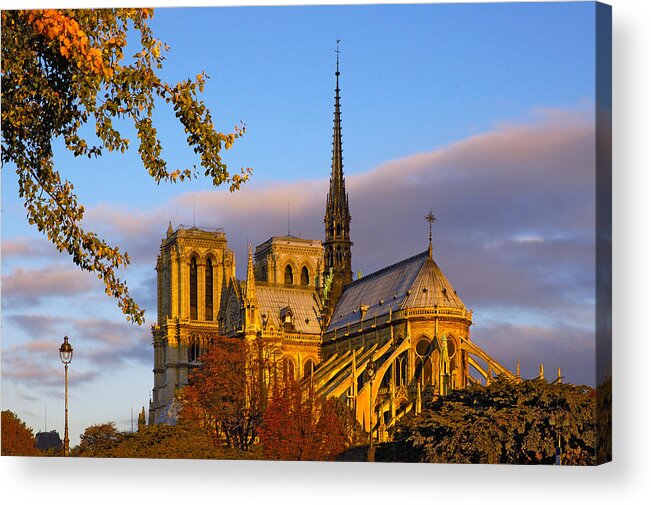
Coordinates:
482	112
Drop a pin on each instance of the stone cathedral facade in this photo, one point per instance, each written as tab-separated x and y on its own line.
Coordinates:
375	342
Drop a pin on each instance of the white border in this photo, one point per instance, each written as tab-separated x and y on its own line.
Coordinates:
29	480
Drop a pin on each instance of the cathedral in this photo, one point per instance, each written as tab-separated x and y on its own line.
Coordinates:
375	342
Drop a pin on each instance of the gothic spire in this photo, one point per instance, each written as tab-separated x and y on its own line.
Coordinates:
250	278
337	242
337	195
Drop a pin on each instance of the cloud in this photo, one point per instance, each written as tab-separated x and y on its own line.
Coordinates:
514	234
572	349
515	229
136	231
24	247
101	346
515	210
145	293
115	343
30	286
35	324
30	369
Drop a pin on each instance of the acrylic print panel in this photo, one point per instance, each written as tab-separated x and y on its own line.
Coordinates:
389	240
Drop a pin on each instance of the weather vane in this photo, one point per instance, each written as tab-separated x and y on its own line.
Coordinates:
430	218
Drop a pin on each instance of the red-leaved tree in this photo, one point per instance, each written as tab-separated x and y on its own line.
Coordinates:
297	426
17	437
226	395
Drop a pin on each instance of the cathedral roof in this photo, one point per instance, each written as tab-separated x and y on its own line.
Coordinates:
303	302
415	282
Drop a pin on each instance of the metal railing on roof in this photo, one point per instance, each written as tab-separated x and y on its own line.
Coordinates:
187	227
348	328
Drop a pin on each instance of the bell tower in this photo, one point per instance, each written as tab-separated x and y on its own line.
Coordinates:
337	242
192	268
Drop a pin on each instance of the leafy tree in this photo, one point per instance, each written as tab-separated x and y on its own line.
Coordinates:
506	422
166	442
605	421
297	426
227	394
97	440
17	437
172	442
64	70
142	420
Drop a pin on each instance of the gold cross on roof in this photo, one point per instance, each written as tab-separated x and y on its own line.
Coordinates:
430	218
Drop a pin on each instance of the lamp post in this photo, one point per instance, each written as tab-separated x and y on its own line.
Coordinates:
370	373
65	353
557	424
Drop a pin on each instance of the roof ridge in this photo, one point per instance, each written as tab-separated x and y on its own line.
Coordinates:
291	287
385	269
433	268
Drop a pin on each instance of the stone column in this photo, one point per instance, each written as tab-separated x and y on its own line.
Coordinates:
217	281
184	287
175	285
160	290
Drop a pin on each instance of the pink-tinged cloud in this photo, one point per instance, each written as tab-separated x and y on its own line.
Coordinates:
492	194
515	225
514	180
94	330
30	286
101	347
48	377
24	247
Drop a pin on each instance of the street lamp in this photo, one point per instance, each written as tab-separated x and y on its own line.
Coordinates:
557	424
370	373
65	353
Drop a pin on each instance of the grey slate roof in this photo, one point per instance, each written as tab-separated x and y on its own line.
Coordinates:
387	288
303	302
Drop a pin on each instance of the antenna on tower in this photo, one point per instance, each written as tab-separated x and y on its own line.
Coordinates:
193	216
288	219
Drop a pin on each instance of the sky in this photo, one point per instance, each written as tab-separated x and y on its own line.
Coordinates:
482	113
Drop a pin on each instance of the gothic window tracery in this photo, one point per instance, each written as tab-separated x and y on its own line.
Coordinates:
305	276
423	372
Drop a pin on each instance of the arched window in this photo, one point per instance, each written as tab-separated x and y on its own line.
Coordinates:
194	351
305	277
423	370
193	288
289	275
208	290
308	368
289	369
